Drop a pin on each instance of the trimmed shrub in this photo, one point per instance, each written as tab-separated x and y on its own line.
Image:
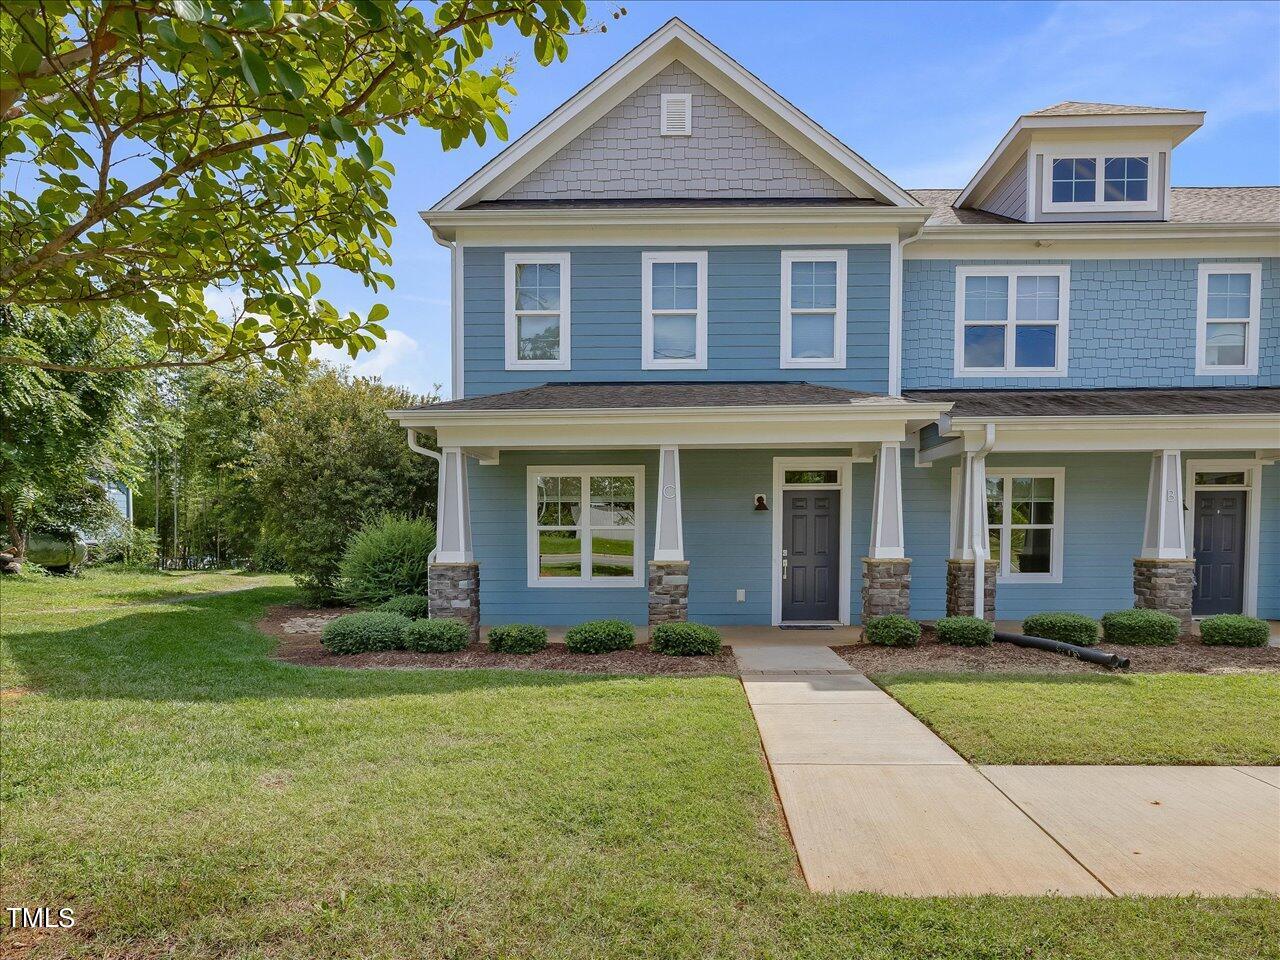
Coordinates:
684	640
965	631
387	558
444	635
413	607
893	630
1139	627
600	636
1064	627
365	631
517	638
1234	630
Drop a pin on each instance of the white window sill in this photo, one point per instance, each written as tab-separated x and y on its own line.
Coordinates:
1012	372
1202	371
1014	579
788	364
628	583
538	365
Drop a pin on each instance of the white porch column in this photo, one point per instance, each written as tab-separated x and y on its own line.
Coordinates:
453	509
970	571
668	538
1164	535
886	505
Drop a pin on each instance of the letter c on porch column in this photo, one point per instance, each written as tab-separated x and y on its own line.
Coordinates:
668	541
886	505
1164	535
453	509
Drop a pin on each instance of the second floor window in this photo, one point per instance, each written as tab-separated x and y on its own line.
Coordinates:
537	311
813	308
674	311
1011	321
1101	181
1228	304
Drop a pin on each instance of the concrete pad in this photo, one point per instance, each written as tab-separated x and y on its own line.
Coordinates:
1269	775
765	657
844	733
919	831
1161	831
829	688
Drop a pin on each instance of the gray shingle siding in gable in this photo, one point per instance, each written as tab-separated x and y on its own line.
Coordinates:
728	154
1009	199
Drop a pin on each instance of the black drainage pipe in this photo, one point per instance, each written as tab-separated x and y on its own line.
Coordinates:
1087	654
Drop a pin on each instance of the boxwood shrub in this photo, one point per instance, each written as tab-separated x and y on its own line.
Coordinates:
893	630
1064	627
600	636
444	635
517	638
965	631
684	640
365	631
413	606
1145	628
1234	630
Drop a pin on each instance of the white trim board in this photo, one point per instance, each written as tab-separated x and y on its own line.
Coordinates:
1012	272
511	333
647	261
1253	516
840	334
1254	321
845	466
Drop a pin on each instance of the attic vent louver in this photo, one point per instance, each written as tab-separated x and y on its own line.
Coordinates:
677	115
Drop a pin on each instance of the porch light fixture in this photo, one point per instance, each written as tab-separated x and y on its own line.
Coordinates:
760	502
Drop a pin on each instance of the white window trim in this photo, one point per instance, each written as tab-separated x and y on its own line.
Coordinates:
1252	470
584	473
1059	476
1250	366
841	336
1099	155
647	360
1059	369
512	334
845	485
663	120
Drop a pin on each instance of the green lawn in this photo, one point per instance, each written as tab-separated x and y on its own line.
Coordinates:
97	587
1172	718
193	798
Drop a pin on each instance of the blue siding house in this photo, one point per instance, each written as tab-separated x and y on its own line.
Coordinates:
710	364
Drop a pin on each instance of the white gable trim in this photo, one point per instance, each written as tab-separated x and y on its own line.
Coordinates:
675	41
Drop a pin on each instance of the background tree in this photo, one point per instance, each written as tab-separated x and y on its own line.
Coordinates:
178	145
328	458
62	431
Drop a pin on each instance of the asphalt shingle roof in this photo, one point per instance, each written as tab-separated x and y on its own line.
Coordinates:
1106	403
1189	205
631	395
1079	108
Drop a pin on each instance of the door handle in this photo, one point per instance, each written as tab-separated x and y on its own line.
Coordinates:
784	568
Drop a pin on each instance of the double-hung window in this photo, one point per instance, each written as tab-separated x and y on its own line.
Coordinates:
1011	321
586	526
1024	519
814	315
674	311
537	311
1228	305
1117	179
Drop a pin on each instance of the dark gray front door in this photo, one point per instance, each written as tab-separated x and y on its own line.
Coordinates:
1219	552
811	549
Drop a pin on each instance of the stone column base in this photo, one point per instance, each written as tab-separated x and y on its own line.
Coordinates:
454	591
960	588
886	587
1164	585
668	591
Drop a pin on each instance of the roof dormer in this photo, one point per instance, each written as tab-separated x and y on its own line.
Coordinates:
1083	162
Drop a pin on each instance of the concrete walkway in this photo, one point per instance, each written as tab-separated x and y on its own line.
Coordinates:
875	801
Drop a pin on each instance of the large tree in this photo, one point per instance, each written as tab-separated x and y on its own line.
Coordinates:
154	149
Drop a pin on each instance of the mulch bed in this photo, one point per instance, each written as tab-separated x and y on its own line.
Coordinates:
298	631
1188	655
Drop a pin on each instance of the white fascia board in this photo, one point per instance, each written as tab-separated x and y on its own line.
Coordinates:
1237	241
674	41
1124	434
1181	125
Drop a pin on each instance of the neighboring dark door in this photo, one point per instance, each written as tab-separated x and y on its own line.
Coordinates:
1219	552
811	548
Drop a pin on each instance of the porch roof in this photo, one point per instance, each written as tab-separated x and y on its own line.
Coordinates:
1137	402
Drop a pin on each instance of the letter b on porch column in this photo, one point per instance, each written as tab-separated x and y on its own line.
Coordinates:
886	571
669	571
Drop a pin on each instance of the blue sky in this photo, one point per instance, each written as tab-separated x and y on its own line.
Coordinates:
923	91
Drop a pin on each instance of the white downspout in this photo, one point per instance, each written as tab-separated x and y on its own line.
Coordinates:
895	312
428	452
981	537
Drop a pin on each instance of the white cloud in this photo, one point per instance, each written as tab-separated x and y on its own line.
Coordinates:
398	360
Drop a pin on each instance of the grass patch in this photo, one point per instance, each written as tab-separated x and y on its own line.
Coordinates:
98	587
1167	718
192	797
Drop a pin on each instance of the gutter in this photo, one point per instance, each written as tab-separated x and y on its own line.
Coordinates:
428	452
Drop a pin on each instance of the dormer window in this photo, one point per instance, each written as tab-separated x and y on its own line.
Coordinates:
1114	180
